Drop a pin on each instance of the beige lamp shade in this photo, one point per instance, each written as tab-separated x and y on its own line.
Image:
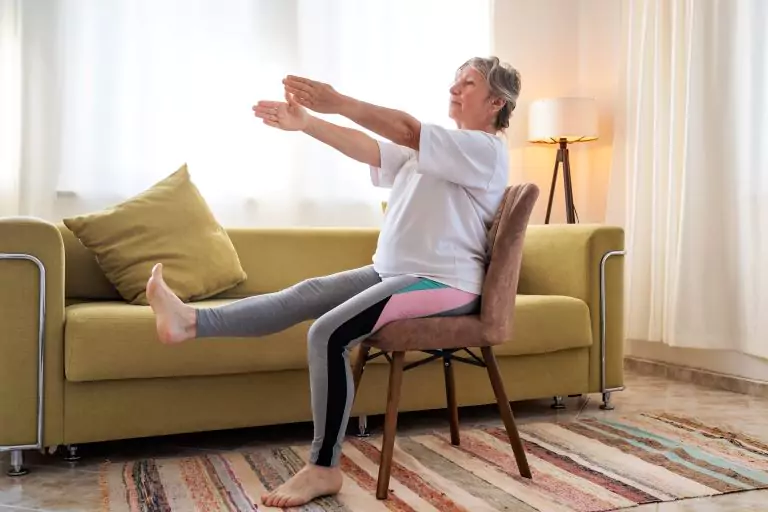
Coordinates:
573	119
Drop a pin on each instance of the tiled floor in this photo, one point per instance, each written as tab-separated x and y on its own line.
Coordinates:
55	485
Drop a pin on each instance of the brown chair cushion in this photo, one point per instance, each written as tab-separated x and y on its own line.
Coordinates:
430	334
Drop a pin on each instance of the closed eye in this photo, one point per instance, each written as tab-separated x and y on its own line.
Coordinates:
464	83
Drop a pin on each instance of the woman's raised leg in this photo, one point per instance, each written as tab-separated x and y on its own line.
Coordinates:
253	316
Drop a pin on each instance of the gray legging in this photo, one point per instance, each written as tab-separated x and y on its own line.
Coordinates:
347	307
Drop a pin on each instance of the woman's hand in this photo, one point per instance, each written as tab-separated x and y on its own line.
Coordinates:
314	95
287	115
395	125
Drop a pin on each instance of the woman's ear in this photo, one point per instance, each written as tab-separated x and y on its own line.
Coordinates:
498	103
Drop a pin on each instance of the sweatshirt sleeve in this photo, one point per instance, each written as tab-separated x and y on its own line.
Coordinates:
393	158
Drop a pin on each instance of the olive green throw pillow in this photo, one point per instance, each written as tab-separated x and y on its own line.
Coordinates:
170	223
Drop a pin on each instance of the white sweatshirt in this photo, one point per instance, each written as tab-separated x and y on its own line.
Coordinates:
443	200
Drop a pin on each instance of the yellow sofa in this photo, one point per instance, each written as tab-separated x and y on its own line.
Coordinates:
105	376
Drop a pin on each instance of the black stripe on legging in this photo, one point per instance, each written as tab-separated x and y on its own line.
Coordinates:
357	326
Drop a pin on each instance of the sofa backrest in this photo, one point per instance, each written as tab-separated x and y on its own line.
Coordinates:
83	279
273	258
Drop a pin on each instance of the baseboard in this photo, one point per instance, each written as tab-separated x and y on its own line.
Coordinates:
697	376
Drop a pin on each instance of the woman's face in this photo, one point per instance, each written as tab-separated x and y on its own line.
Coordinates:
471	104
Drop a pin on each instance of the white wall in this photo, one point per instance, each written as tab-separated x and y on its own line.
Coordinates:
562	48
574	47
599	72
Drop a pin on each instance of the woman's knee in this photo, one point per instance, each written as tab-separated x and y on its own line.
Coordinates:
318	335
311	283
315	285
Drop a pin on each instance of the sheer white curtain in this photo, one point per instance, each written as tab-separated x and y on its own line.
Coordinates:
10	107
693	156
140	87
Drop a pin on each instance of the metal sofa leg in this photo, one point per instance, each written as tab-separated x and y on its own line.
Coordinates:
607	405
71	455
17	464
362	425
558	402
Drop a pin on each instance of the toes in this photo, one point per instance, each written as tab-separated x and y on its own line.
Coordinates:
282	501
293	502
270	499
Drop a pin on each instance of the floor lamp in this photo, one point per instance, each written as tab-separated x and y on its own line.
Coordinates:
562	121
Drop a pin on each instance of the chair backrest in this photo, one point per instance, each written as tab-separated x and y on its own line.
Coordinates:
505	250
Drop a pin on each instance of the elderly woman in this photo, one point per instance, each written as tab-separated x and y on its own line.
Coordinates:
446	185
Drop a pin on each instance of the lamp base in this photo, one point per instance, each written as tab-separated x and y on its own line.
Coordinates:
570	209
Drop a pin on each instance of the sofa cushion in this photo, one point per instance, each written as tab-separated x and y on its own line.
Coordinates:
113	340
168	223
547	323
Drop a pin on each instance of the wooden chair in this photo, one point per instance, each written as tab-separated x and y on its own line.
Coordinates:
443	337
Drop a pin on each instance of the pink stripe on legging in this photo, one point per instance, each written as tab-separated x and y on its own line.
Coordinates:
422	303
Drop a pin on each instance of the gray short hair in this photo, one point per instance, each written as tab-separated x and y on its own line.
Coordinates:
504	82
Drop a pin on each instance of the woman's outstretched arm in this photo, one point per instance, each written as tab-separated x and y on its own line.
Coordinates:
395	125
291	116
353	143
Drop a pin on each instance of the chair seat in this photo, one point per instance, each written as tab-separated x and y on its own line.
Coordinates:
430	334
542	324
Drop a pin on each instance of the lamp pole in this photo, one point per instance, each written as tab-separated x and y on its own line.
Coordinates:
562	157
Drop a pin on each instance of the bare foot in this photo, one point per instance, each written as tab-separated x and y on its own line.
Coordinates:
176	321
306	485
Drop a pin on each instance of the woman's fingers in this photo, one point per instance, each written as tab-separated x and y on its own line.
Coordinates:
268	104
265	115
299	87
267	108
291	98
270	119
300	97
301	93
300	83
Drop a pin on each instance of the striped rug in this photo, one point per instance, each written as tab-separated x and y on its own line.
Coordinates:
587	465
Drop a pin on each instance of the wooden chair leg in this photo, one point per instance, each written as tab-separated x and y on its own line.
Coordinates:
506	412
390	424
450	397
359	365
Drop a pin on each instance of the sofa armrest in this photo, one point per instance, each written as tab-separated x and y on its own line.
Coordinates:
31	314
586	262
